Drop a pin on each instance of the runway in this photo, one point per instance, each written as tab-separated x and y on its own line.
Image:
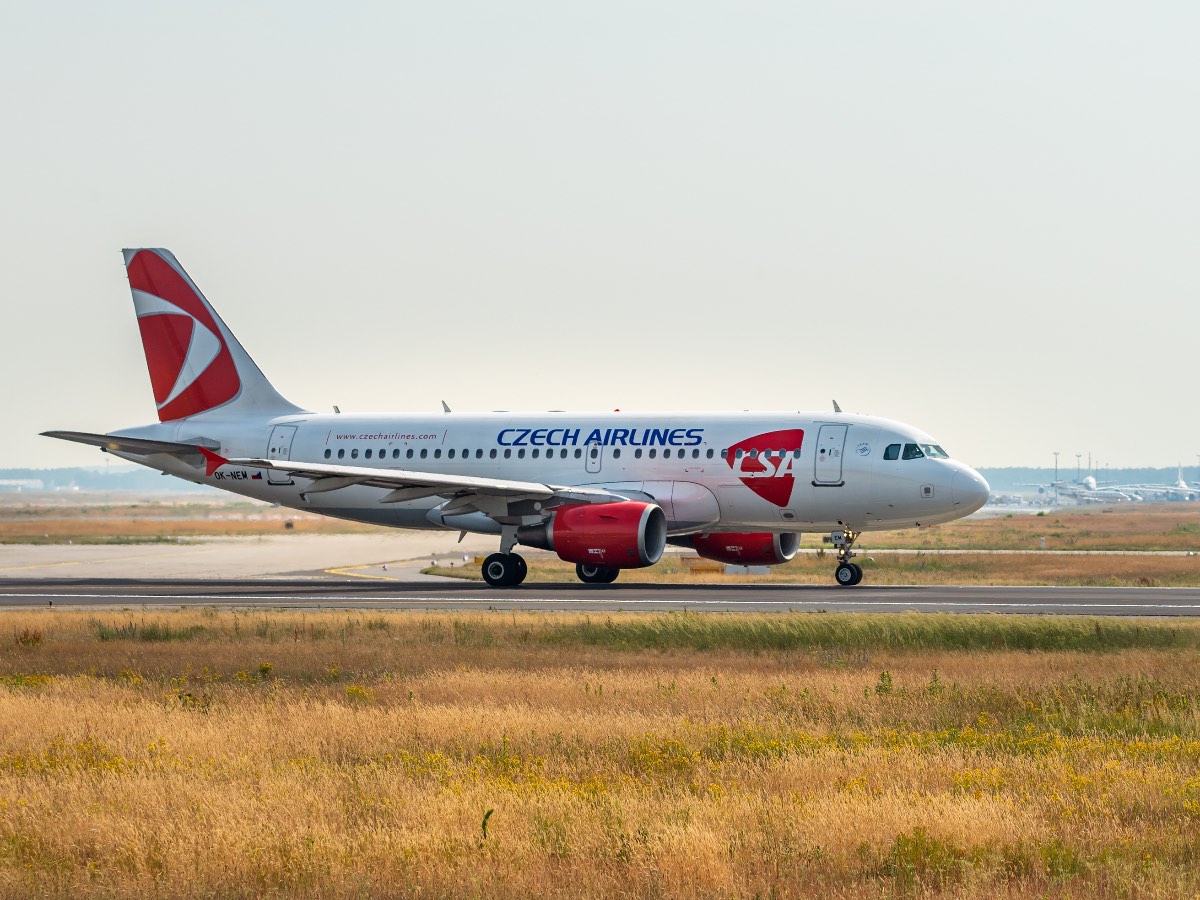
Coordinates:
323	592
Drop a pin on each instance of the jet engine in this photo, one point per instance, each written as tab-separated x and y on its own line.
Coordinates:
620	535
747	549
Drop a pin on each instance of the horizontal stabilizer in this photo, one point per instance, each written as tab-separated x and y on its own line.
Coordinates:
192	454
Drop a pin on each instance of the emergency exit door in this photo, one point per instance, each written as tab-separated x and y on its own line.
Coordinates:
831	441
593	458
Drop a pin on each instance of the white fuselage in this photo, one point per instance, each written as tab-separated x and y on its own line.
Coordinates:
708	471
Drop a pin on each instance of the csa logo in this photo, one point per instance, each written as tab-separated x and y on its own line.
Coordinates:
191	369
766	463
863	449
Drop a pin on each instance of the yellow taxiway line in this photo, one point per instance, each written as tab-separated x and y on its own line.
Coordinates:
350	570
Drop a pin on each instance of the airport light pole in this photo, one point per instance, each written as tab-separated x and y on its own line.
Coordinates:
1056	476
1078	463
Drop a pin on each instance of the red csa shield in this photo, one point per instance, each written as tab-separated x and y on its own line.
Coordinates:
771	477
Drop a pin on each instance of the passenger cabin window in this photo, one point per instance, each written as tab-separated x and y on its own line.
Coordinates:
437	454
368	453
354	453
424	452
521	453
709	454
616	453
637	454
328	453
395	454
534	453
912	451
342	453
450	453
892	451
492	453
408	455
479	454
578	453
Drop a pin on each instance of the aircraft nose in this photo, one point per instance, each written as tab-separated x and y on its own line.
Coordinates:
969	490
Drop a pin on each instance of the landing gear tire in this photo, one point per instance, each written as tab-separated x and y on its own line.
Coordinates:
504	570
596	574
848	574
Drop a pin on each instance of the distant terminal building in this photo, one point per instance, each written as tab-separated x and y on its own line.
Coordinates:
16	485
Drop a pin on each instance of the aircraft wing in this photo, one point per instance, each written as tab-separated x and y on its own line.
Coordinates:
406	485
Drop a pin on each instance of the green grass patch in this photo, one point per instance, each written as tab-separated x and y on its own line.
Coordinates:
155	631
913	631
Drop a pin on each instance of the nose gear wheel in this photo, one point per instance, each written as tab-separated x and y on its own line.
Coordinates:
847	574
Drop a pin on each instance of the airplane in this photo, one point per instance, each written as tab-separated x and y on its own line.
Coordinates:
1086	490
606	491
1180	491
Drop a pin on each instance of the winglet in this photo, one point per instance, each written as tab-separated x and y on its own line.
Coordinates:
212	461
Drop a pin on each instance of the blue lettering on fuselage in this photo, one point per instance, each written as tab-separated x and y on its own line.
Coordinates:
609	437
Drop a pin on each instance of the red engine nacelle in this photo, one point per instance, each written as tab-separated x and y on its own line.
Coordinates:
747	549
621	535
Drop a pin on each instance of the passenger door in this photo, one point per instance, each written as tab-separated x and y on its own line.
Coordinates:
280	447
831	441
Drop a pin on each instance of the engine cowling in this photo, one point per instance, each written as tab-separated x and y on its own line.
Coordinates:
622	535
748	548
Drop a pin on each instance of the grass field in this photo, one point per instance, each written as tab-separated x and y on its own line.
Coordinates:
223	754
1142	526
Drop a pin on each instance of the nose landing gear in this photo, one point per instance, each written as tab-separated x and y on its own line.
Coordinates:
847	574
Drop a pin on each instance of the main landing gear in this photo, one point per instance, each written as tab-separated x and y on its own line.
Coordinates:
504	570
847	574
596	574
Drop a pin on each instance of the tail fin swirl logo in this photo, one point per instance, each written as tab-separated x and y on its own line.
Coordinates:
766	463
191	369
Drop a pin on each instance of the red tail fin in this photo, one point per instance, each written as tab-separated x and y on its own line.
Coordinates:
196	364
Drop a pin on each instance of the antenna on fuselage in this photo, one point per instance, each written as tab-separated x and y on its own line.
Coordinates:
836	408
445	407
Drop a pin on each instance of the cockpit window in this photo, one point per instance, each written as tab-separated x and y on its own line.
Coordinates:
933	451
892	451
912	451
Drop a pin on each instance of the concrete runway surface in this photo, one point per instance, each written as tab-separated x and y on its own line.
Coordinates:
345	571
326	592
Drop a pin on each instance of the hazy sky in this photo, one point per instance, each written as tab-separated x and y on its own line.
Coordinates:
979	218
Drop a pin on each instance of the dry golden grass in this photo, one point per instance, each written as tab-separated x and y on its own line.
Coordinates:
1166	526
159	521
1133	526
347	754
